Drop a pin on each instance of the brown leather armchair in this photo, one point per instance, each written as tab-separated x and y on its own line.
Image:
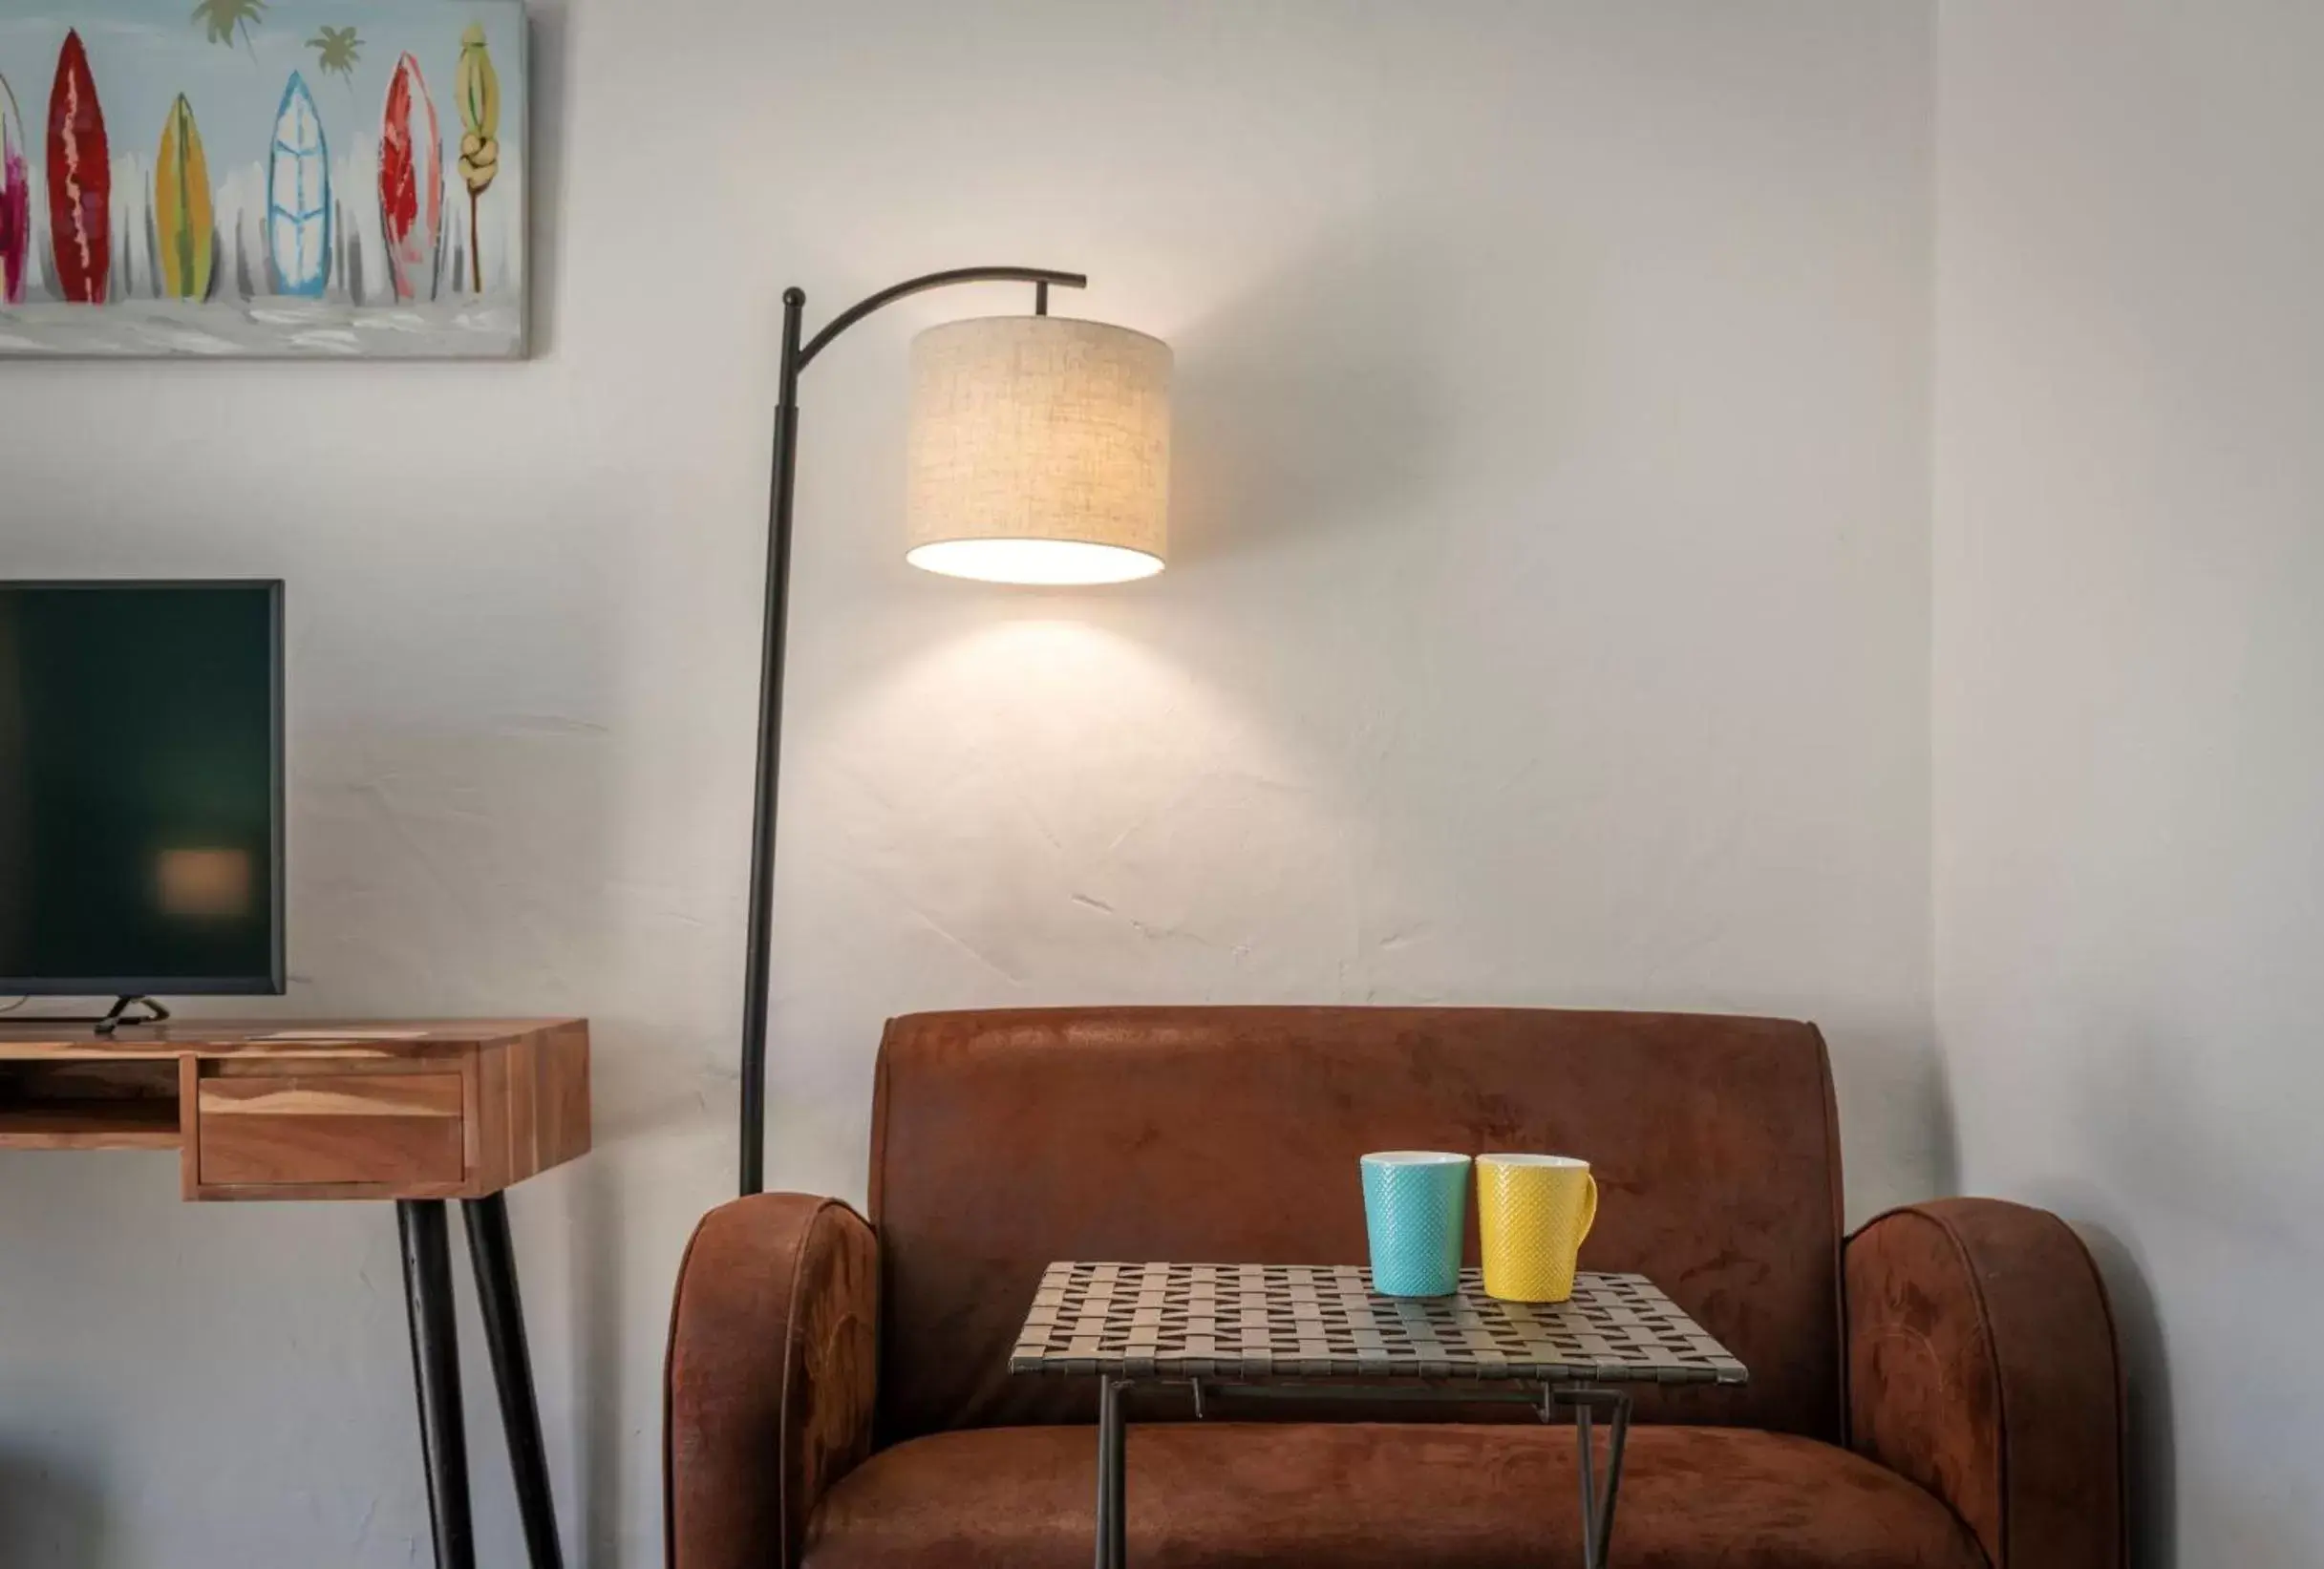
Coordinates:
1939	1391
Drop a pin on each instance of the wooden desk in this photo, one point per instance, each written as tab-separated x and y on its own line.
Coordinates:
416	1113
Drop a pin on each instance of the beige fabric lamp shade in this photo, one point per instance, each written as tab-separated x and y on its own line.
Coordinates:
1040	451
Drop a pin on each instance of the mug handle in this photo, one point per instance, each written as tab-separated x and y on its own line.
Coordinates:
1590	1210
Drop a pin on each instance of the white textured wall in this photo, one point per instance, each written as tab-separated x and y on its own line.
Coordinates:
2130	704
1549	625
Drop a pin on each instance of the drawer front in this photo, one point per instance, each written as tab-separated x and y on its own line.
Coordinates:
298	1129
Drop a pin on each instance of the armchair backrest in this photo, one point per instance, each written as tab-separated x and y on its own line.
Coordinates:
1004	1140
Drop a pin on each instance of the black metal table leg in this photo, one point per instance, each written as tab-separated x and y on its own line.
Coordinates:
1615	1445
495	1260
1583	1452
1112	1434
435	1370
1597	1503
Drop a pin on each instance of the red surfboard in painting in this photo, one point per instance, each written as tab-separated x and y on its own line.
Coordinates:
16	200
80	180
411	184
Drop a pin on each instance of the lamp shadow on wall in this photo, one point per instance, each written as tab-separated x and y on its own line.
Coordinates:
49	1515
1315	402
2152	1462
594	1286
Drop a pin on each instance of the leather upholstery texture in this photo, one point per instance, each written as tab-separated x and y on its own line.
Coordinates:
769	1380
1947	1397
1357	1496
1983	1366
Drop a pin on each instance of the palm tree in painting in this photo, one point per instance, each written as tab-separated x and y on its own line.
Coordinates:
338	51
224	18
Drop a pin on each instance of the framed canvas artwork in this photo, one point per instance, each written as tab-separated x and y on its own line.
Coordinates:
313	179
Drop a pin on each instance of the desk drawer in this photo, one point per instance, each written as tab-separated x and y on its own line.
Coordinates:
303	1128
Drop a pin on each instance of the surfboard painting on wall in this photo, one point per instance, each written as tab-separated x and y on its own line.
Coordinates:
299	178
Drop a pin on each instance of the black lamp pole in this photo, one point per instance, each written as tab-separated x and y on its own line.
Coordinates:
796	359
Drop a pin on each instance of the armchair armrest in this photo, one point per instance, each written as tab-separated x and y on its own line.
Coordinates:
769	1379
1982	1366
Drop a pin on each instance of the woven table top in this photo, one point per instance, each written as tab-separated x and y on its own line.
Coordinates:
1324	1322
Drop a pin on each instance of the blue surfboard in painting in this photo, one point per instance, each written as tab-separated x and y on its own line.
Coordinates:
298	195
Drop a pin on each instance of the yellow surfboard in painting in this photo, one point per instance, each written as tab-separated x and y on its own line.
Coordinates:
184	227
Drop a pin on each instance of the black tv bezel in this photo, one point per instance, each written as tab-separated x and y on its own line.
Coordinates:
276	981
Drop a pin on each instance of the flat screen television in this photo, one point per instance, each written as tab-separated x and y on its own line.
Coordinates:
141	788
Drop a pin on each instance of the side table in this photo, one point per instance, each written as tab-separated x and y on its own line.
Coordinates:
1261	1331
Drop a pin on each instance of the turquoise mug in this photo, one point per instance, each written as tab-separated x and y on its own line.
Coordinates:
1415	1204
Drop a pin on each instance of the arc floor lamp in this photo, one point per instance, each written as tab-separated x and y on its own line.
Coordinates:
1040	452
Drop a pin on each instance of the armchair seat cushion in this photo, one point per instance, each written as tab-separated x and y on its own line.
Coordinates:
1365	1496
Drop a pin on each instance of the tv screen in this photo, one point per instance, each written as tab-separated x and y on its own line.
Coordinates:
141	788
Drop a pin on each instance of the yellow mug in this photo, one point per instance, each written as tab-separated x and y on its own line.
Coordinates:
1533	1213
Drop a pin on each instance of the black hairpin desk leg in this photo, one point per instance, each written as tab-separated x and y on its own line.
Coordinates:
495	1260
436	1368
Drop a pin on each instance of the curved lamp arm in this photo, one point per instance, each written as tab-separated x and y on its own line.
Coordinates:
796	357
1041	278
